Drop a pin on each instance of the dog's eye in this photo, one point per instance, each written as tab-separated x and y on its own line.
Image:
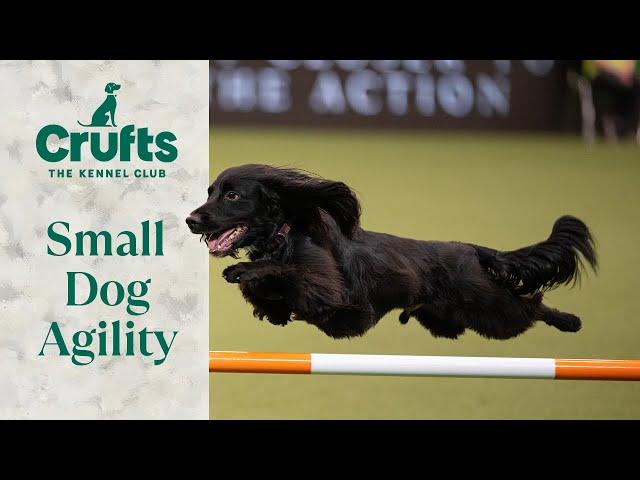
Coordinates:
232	196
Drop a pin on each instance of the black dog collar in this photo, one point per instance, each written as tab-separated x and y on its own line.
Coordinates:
277	240
283	232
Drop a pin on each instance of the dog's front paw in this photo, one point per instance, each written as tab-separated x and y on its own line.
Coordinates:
234	273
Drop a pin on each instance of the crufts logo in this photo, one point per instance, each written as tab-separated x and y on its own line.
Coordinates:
119	144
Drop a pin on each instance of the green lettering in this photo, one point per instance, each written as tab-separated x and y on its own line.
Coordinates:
59	340
144	140
159	252
82	351
93	238
56	237
163	345
121	250
127	138
41	143
71	288
77	139
112	146
168	152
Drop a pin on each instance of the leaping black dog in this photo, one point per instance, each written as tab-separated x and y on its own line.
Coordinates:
311	261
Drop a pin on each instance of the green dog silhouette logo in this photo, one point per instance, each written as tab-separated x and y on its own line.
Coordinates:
107	109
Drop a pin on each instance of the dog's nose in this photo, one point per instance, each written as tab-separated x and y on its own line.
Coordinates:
193	220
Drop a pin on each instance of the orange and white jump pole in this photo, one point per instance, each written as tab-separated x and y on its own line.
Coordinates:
423	366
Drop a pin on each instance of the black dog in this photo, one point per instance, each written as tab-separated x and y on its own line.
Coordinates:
311	261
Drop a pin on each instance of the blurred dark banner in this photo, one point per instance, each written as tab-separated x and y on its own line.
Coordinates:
447	94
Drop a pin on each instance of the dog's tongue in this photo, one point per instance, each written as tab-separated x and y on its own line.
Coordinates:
220	244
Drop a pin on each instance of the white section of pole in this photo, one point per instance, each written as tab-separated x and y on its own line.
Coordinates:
436	366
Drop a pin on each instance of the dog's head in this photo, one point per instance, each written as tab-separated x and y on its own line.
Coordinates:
248	204
111	87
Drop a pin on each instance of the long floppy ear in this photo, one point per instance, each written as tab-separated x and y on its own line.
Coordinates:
108	88
270	199
302	195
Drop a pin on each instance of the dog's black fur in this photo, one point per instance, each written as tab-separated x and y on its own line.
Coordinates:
333	274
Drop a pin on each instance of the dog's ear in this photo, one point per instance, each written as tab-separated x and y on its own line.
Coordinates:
269	198
301	196
107	88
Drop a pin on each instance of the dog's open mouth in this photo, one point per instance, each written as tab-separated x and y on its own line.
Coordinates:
221	243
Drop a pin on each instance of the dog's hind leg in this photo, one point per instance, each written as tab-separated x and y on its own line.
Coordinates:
565	322
439	327
276	312
346	322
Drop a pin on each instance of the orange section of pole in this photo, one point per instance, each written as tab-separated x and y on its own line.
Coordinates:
598	369
259	362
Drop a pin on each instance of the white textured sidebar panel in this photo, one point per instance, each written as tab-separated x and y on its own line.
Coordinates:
411	365
125	378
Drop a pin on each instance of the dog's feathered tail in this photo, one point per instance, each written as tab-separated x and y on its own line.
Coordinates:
545	265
